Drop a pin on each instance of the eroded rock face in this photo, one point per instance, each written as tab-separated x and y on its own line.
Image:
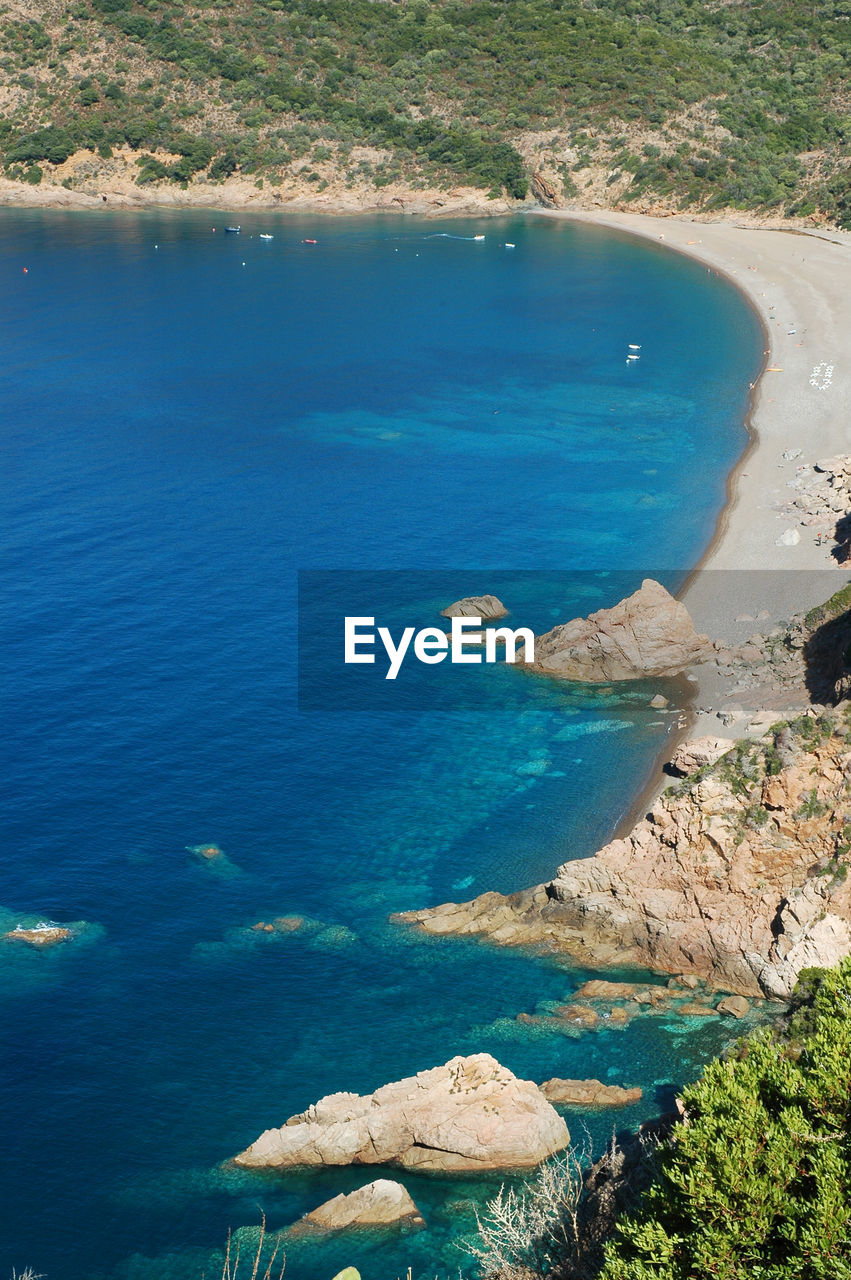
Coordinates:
588	1093
647	634
544	192
379	1204
470	1114
485	607
740	876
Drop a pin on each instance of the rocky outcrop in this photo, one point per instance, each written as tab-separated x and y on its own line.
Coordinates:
379	1204
588	1093
485	607
739	876
822	496
697	753
469	1115
42	935
649	634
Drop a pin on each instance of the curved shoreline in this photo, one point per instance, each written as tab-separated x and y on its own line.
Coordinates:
804	310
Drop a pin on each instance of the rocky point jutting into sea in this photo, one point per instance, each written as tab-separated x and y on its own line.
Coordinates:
739	872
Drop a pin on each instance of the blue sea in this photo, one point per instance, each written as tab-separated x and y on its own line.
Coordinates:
189	419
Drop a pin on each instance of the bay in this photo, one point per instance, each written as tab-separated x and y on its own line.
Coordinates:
188	420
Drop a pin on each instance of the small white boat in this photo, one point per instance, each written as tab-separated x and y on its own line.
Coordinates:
264	237
631	358
635	346
478	237
509	245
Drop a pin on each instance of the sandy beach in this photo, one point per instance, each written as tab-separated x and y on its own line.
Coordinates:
799	282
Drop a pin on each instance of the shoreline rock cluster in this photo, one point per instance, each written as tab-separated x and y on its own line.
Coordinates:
469	1115
602	1005
823	500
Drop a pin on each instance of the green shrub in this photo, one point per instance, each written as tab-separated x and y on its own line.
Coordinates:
757	1182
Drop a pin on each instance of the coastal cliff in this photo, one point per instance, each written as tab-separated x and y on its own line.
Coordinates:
738	874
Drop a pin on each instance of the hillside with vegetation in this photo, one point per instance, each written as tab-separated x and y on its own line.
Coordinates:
631	103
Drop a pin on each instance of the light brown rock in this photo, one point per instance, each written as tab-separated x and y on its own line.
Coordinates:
485	607
382	1203
647	634
735	1006
696	753
737	878
470	1114
588	1093
45	936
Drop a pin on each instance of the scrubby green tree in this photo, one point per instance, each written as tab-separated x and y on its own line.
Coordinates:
756	1184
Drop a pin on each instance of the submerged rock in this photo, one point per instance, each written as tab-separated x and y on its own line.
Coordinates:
647	634
469	1115
485	607
382	1203
695	1010
207	852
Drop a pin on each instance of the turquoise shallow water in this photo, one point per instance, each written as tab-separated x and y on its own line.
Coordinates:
188	420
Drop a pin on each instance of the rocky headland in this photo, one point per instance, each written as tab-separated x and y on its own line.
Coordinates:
470	1115
738	873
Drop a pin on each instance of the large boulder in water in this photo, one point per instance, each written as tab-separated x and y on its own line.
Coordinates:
647	634
470	1115
379	1204
485	607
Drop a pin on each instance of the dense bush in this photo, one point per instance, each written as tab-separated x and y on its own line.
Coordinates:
756	1184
